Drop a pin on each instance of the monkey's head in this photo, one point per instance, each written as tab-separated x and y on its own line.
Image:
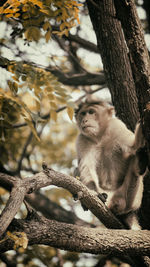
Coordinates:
92	117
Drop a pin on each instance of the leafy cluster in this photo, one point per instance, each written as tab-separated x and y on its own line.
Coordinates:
36	14
40	84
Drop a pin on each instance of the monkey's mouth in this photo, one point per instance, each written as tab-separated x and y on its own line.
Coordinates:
86	127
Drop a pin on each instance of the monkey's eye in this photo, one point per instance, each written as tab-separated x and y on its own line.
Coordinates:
83	113
91	111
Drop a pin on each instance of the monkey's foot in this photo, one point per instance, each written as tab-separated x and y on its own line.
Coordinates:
102	197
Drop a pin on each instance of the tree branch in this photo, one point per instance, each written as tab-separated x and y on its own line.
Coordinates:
40	230
13	204
74	80
48	208
49	177
78	238
82	42
52	210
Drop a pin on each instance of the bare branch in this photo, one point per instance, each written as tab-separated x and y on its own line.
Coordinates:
52	210
79	79
80	239
48	208
31	184
74	80
83	43
73	59
13	204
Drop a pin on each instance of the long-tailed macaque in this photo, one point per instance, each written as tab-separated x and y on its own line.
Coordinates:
108	159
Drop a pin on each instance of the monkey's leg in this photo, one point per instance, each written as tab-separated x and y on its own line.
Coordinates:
130	220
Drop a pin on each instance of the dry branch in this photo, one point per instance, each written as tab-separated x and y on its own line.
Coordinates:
51	177
40	230
78	79
80	239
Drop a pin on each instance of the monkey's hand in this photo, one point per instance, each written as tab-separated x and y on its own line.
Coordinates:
102	197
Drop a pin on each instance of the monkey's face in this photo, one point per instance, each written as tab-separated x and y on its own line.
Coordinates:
92	119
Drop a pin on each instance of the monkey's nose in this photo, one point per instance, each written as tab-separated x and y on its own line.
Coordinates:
85	121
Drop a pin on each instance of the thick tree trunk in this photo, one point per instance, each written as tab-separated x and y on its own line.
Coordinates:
121	43
114	53
139	58
126	63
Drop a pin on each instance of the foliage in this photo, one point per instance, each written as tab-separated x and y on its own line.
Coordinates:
35	19
40	84
34	14
20	239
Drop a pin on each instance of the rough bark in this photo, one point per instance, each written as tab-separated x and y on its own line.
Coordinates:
39	230
31	184
139	59
80	239
114	53
121	43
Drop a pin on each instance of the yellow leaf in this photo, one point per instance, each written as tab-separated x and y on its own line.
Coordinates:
10	68
30	123
62	26
25	8
17	15
48	89
32	34
47	12
13	86
46	26
15	78
64	14
47	36
61	100
9	15
38	3
59	18
53	104
20	239
51	96
1	10
70	112
53	115
66	32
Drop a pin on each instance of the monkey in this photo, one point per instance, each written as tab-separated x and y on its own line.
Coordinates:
109	159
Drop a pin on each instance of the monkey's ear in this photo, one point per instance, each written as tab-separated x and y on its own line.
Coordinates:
111	110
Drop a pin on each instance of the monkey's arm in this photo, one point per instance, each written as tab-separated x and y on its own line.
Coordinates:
87	158
88	175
